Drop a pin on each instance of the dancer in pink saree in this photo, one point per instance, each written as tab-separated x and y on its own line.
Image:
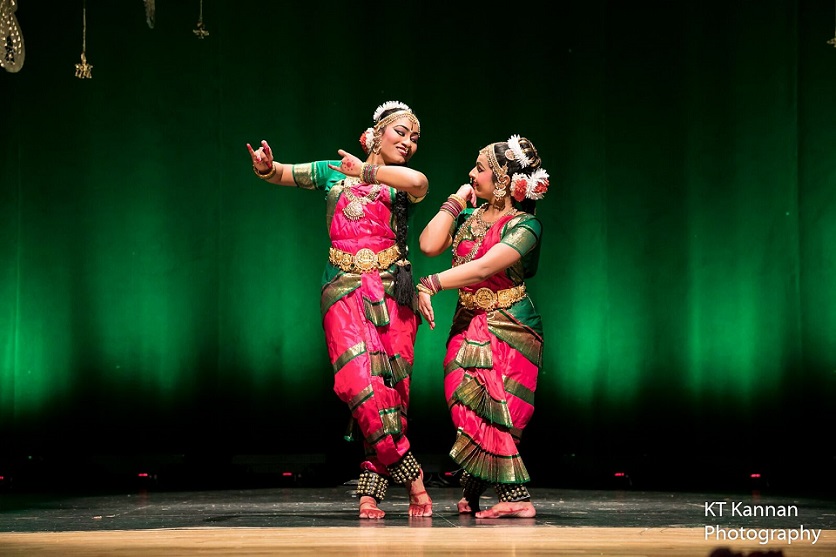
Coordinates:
368	301
495	345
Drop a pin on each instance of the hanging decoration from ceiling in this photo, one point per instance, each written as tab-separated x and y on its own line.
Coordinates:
201	32
12	52
84	70
150	12
833	40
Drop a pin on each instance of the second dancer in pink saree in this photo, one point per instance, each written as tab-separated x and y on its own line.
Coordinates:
495	345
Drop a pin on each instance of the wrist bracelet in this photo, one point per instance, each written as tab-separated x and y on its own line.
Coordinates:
432	283
268	175
368	173
451	207
459	199
435	280
421	288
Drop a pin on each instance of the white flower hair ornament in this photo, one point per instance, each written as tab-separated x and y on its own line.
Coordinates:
367	140
530	187
389	105
517	152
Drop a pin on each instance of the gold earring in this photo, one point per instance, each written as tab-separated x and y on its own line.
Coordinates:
378	136
500	190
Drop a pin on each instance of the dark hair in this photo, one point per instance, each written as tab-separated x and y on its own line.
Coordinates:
514	166
404	287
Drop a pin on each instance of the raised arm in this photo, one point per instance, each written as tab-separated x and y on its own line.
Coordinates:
437	235
402	178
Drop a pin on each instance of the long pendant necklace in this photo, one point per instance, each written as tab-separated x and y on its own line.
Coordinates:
477	228
353	210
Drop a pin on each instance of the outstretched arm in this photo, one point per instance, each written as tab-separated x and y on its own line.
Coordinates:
268	169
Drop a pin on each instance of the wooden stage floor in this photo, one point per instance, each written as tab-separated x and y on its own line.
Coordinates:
323	522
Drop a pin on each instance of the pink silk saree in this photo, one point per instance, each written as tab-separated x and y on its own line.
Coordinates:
491	368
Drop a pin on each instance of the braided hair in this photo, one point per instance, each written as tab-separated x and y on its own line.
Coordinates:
404	286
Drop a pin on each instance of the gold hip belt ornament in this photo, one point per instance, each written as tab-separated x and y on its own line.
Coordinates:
488	300
364	260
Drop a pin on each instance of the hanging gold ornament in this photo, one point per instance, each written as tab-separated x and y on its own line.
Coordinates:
84	70
12	51
150	13
201	31
833	40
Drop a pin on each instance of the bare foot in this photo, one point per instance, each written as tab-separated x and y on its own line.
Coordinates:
466	507
522	509
420	503
369	509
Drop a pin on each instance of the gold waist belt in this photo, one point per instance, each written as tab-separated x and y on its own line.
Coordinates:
488	300
364	260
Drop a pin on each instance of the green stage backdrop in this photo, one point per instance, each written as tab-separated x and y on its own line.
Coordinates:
157	298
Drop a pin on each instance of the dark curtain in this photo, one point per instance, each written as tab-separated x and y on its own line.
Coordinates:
156	297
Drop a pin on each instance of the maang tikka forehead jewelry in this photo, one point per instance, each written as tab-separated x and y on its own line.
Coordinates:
499	172
383	122
401	110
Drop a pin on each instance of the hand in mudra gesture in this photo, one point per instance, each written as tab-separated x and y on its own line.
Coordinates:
349	165
467	193
262	157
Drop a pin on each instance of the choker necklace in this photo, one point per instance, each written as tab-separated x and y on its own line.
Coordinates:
353	210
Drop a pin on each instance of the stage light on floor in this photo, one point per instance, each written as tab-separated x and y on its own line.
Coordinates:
441	479
280	469
289	477
145	480
757	480
621	480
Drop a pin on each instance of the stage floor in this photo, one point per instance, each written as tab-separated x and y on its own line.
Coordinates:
323	521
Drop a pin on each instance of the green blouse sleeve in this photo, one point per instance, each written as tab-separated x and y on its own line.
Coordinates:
316	175
523	234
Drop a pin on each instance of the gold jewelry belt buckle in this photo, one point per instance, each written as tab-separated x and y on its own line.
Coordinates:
364	260
488	300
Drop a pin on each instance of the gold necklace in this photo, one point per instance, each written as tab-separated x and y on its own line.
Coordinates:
353	210
478	228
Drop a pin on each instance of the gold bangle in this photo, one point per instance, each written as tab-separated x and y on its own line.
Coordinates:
458	199
268	175
421	288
